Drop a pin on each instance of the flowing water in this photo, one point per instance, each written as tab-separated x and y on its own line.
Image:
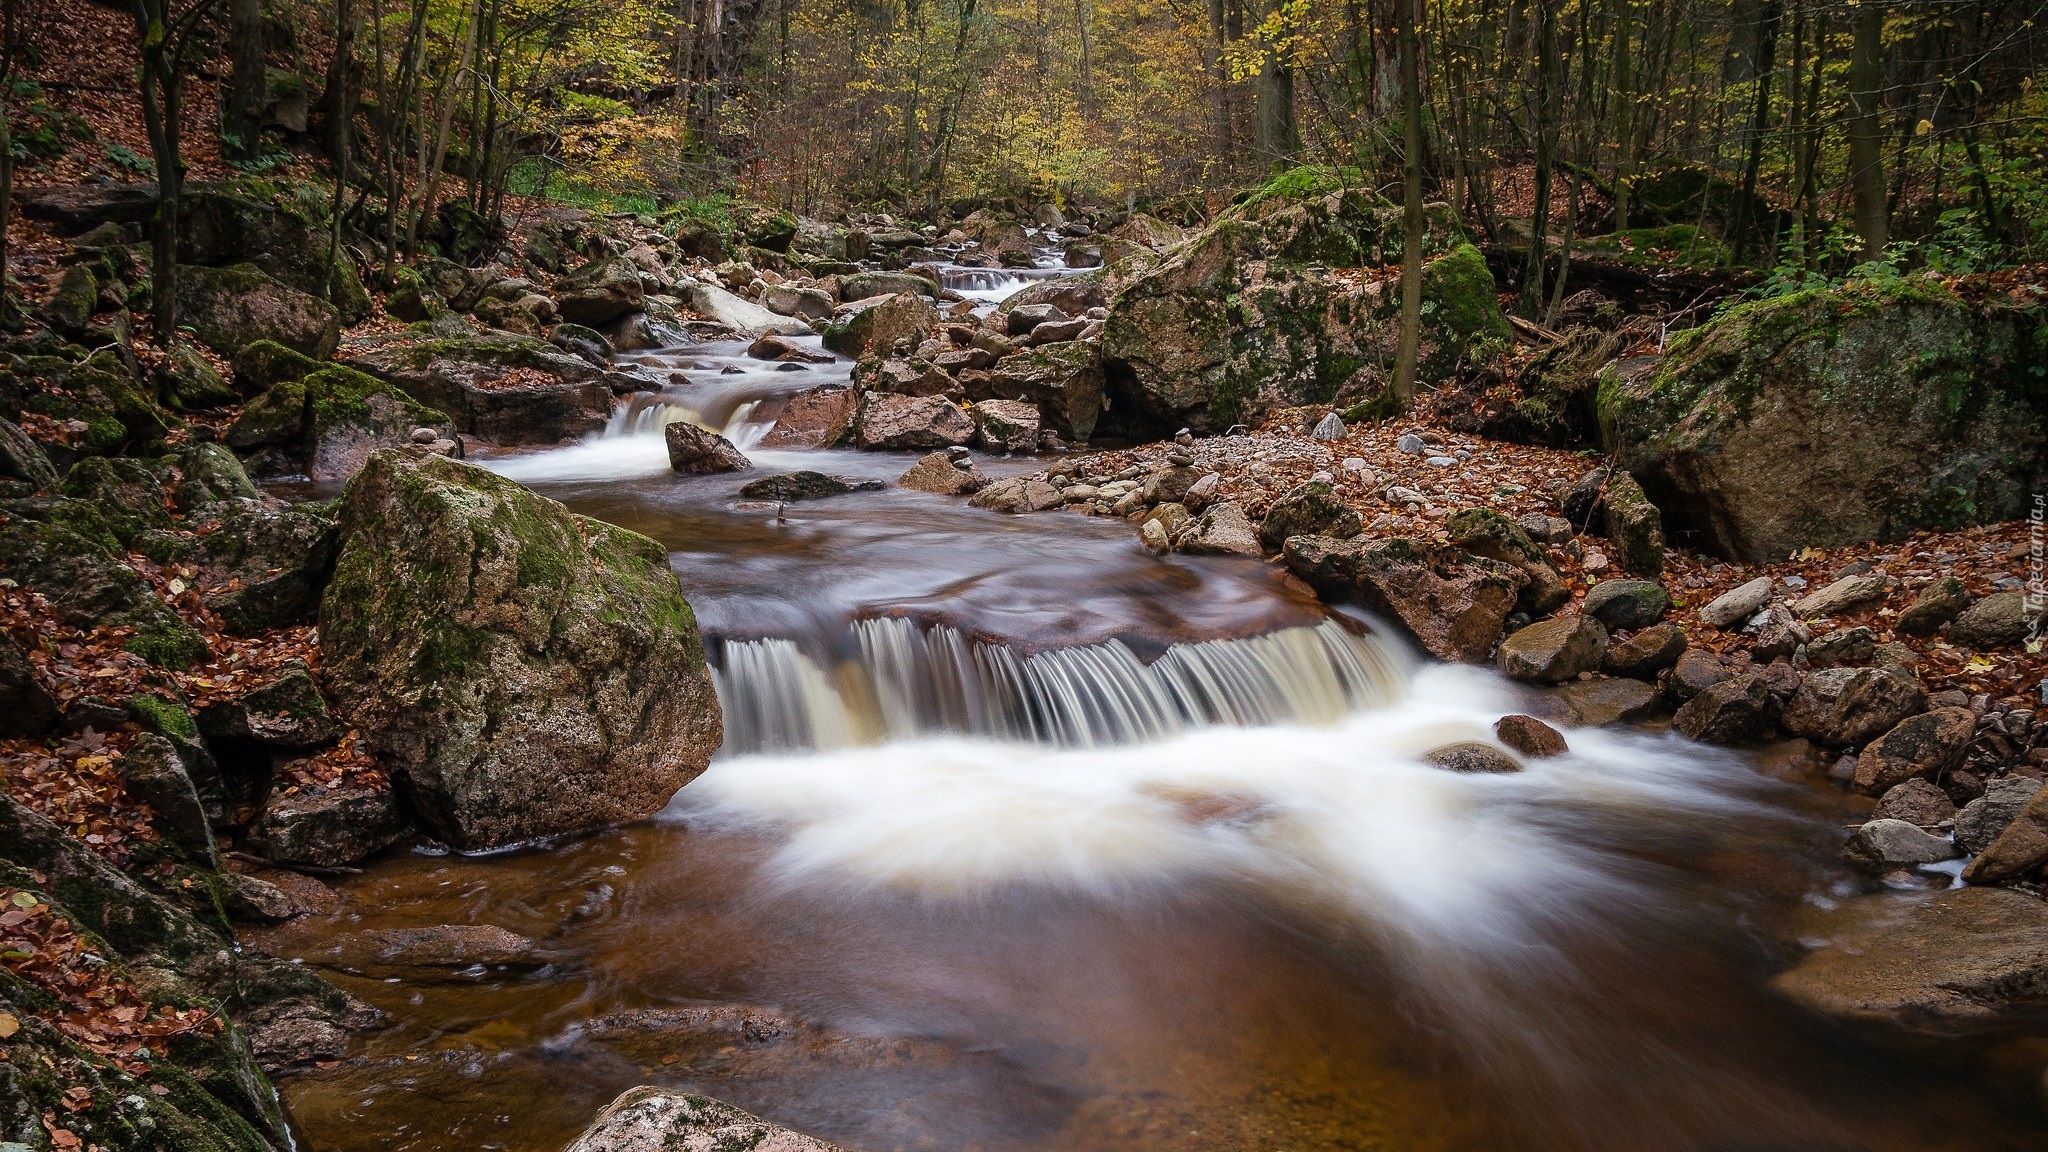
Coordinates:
1025	840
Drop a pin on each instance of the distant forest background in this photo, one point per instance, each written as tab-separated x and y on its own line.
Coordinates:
1776	134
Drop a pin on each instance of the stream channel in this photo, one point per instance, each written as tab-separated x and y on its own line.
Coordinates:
1024	840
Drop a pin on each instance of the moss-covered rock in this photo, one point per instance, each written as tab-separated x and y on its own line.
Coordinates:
276	419
67	553
1247	317
1064	379
208	474
231	308
70	305
21	458
522	670
599	292
263	364
1484	532
1462	319
328	423
26	708
465	378
281	558
1311	509
126	493
102	394
876	329
1840	416
1453	603
1635	526
762	226
350	414
175	958
187	381
221	225
1684	245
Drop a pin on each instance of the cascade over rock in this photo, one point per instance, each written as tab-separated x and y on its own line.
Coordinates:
522	670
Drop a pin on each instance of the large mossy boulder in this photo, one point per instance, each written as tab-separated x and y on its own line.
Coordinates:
876	329
505	388
231	308
1840	416
219	226
101	393
66	550
523	671
330	422
1064	379
1248	317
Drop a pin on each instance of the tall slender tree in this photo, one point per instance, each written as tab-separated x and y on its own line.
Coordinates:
1279	139
1409	342
241	117
170	32
1866	134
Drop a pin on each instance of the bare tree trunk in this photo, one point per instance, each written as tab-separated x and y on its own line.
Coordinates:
1624	113
241	120
165	40
1405	350
1220	110
1866	137
1546	150
432	158
1085	95
1766	57
340	130
1279	138
7	32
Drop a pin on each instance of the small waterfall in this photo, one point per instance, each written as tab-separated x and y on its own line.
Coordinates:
648	415
906	681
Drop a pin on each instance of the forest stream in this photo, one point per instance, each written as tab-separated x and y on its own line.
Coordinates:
1023	839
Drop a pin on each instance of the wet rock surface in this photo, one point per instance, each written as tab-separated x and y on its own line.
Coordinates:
557	682
1930	962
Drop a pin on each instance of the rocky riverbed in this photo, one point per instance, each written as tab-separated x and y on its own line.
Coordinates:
1027	572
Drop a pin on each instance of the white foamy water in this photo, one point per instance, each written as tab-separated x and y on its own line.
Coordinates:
907	681
1344	816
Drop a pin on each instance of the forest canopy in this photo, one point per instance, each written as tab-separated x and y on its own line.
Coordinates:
1764	133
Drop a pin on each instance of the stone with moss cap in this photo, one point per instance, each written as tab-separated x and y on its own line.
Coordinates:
1247	317
503	387
1840	416
230	308
522	671
126	493
264	364
1484	532
100	392
329	423
63	550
